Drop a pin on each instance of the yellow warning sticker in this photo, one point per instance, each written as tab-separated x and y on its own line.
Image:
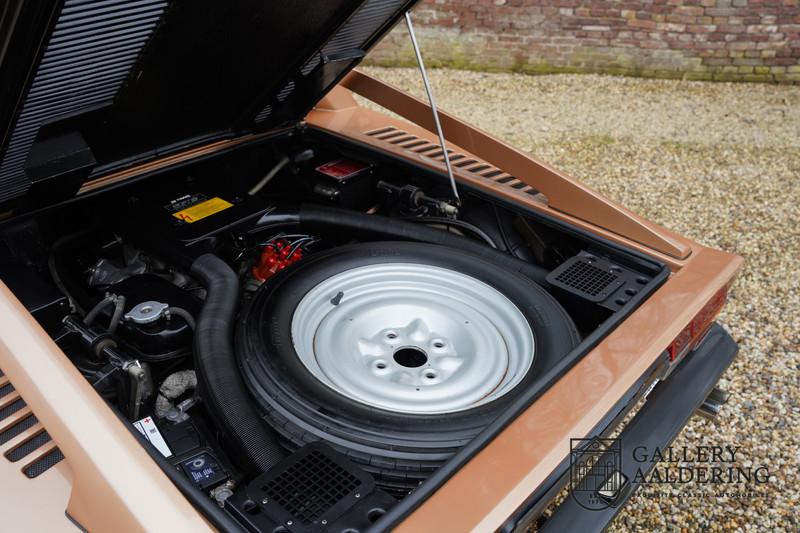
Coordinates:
202	210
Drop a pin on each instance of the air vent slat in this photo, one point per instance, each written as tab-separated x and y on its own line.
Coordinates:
11	408
134	35
17	429
28	447
44	463
6	389
379	131
110	11
390	135
83	33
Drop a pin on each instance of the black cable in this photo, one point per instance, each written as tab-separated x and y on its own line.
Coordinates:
73	303
461	224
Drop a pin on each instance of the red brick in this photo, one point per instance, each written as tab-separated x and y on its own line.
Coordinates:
735	39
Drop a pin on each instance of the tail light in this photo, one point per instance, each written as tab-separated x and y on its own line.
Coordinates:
688	339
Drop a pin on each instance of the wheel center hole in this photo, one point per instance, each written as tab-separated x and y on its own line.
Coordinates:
410	357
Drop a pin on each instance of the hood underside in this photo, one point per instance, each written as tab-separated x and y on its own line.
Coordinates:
91	86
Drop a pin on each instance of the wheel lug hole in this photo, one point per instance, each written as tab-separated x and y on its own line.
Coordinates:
430	374
439	344
391	335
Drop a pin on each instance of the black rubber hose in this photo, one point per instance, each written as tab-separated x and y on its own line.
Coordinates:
220	383
322	217
459	224
184	314
95	311
116	318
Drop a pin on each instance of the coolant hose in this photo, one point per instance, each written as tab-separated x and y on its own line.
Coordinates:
321	217
221	386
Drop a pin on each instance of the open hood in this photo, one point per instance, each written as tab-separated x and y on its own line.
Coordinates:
93	85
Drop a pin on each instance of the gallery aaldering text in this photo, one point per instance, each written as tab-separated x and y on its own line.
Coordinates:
698	464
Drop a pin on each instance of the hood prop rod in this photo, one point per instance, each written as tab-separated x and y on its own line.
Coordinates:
434	109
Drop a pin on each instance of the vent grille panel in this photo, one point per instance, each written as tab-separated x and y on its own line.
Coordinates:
355	33
11	408
6	389
311	486
44	463
586	278
89	55
15	428
479	168
28	447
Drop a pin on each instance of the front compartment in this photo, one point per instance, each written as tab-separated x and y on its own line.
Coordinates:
187	298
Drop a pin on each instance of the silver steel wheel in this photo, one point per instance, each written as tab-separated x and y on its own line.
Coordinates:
412	338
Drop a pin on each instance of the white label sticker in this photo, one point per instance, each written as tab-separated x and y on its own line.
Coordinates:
148	428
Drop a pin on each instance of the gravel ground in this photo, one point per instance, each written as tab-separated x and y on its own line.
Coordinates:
719	163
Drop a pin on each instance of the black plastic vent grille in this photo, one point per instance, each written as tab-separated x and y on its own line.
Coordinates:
44	463
286	91
28	447
355	33
6	389
311	486
89	55
586	278
11	408
262	116
17	429
598	279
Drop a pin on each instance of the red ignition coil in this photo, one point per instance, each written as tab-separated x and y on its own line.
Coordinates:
274	257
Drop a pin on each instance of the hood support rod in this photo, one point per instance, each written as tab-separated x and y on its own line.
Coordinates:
434	109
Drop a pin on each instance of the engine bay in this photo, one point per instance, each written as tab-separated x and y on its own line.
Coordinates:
310	333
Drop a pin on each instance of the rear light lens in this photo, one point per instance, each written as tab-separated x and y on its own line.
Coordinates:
688	339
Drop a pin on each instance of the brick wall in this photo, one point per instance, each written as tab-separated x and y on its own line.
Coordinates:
745	40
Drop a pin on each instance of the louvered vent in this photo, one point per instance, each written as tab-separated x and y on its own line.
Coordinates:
474	166
286	91
90	53
358	29
22	437
262	116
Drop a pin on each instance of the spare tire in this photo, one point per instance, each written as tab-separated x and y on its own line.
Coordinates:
396	354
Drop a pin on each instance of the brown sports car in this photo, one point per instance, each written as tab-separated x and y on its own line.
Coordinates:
234	298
